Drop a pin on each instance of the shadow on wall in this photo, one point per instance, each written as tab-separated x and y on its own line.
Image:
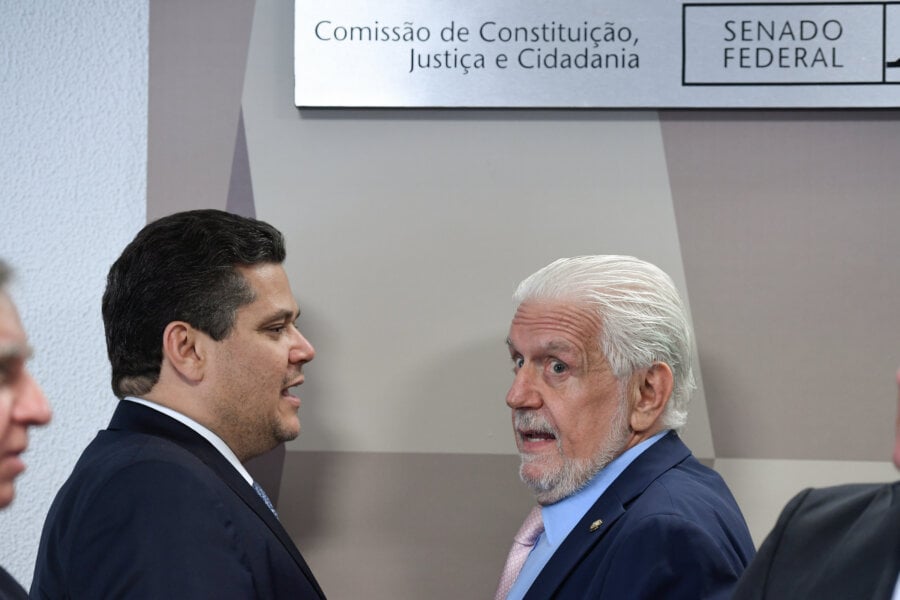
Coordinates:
390	525
412	524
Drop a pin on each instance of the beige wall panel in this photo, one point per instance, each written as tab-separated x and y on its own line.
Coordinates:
384	526
198	51
787	224
763	487
408	232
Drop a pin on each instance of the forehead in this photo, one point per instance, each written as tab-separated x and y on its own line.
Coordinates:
554	323
271	288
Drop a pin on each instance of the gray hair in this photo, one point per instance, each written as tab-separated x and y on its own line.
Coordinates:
643	318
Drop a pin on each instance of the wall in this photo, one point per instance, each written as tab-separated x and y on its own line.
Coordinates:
73	78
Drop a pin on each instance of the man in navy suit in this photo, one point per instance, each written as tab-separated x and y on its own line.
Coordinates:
601	351
204	348
22	405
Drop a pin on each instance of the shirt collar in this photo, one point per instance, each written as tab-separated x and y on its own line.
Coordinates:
205	433
560	518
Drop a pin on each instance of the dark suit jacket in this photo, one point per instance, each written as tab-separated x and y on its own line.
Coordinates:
10	588
836	543
152	510
670	529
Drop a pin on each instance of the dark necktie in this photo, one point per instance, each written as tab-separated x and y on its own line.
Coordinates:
265	497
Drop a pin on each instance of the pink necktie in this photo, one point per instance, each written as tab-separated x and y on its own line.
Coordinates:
521	547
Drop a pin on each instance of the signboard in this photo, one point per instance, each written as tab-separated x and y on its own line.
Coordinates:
581	53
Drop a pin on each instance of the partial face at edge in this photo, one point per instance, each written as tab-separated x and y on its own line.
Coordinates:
22	403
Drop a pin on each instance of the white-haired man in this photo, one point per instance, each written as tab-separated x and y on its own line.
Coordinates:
601	352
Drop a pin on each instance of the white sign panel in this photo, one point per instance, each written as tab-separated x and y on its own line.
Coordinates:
581	53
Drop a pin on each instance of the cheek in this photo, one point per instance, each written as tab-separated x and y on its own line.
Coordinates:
5	409
586	430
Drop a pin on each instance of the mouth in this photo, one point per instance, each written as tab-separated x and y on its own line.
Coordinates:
286	391
13	461
534	433
535	436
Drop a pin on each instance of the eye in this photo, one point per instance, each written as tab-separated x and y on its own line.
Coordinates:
9	369
518	361
557	367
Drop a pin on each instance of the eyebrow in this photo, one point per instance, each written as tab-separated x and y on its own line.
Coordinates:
282	315
559	347
550	347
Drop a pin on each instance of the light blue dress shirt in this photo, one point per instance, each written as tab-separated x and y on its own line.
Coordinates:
561	518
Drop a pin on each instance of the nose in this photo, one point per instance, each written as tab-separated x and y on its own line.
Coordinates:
301	350
30	406
523	392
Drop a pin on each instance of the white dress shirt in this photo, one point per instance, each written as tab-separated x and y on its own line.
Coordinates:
208	435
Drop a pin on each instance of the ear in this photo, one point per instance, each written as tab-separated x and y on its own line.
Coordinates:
184	348
654	387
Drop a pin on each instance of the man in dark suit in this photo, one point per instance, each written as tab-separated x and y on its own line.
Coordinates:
22	405
601	351
840	543
201	336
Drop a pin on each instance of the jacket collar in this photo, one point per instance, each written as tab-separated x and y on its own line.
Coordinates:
130	416
609	508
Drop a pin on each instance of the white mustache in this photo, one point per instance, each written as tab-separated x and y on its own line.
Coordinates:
529	421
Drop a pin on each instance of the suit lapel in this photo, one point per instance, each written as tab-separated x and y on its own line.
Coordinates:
132	416
603	515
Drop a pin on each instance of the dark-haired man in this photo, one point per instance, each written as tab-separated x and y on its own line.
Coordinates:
22	405
201	337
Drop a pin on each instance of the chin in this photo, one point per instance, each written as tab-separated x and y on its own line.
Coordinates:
552	483
290	431
537	474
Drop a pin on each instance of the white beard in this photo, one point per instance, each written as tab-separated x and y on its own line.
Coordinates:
574	473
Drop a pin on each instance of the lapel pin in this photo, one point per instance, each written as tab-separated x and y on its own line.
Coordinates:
596	525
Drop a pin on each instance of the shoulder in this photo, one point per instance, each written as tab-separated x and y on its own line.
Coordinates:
814	508
10	588
841	497
132	482
839	540
686	529
691	491
136	461
150	508
668	554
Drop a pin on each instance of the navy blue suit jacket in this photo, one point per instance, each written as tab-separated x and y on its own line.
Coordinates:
152	510
840	543
10	588
669	528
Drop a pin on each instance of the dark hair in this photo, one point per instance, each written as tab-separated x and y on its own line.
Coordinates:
179	268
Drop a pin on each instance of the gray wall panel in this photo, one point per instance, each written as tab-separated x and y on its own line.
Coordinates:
383	526
198	52
788	232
